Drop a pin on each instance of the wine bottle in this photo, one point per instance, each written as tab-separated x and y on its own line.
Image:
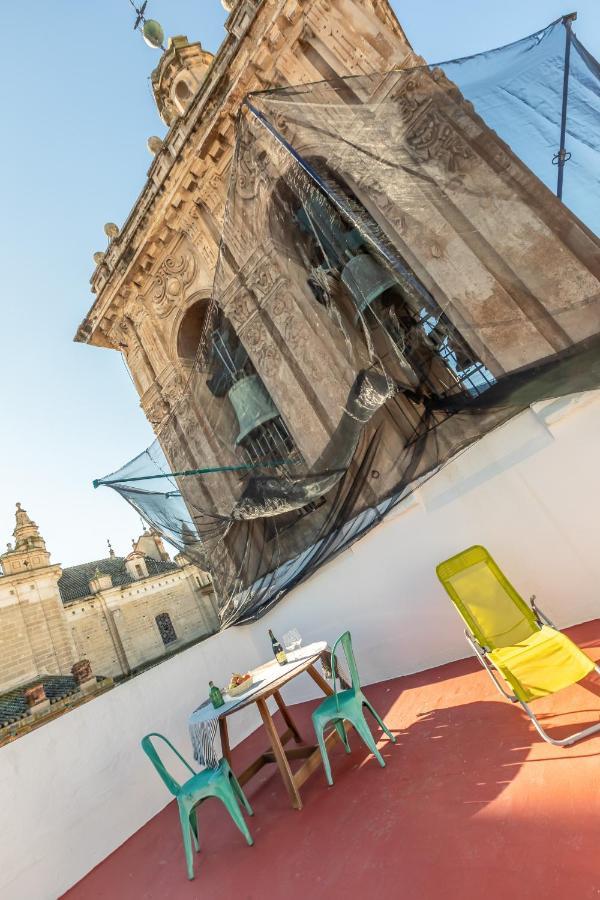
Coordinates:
278	651
215	695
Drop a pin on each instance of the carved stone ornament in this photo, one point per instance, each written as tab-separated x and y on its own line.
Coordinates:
259	344
412	92
241	308
296	333
252	169
174	275
432	137
194	227
171	445
158	412
187	417
263	279
423	127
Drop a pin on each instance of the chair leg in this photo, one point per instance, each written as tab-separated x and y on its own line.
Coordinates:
341	730
186	830
318	726
378	719
230	800
237	789
360	723
194	827
564	742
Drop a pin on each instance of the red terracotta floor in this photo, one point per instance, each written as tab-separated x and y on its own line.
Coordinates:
471	804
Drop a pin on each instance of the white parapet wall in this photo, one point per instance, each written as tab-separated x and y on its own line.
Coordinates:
76	788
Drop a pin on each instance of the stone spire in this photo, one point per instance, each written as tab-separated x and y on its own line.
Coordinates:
29	551
26	531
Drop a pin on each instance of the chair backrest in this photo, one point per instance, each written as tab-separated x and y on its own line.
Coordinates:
148	747
489	605
346	642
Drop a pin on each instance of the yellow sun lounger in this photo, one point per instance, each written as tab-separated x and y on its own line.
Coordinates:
511	638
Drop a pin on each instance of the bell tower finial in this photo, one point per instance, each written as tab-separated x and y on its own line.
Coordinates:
150	29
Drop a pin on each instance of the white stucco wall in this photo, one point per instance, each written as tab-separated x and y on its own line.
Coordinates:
75	789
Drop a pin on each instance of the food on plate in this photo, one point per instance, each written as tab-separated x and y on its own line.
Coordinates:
237	679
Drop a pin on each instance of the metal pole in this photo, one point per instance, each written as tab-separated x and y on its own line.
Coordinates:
563	156
274	463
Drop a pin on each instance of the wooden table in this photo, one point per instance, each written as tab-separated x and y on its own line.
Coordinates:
278	754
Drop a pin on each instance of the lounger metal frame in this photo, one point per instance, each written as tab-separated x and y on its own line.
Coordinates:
488	664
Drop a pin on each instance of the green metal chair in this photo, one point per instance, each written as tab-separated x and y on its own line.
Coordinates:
219	782
347	706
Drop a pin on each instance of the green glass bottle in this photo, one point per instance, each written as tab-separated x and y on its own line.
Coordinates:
215	695
278	651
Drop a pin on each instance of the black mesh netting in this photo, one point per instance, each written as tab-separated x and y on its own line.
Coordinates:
392	283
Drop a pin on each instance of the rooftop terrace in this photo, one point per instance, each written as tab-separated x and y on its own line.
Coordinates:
471	803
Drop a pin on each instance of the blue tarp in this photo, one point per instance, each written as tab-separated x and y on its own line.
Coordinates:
518	90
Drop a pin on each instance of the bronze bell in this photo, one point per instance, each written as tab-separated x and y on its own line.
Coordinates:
252	405
366	280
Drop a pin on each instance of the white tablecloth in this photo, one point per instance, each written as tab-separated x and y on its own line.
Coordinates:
204	721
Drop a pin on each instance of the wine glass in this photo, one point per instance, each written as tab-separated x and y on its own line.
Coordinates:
292	640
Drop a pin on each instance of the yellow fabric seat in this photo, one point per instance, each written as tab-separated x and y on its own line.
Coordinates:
542	664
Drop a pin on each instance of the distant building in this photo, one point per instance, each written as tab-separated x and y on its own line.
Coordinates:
119	612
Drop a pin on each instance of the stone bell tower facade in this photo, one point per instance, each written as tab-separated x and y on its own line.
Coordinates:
153	283
34	638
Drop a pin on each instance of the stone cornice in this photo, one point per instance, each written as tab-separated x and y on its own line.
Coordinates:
18	578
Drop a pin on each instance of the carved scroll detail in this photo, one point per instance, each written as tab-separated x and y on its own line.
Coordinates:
174	275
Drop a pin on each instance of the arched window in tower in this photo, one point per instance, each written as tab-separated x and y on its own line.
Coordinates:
260	433
182	91
166	629
408	328
190	330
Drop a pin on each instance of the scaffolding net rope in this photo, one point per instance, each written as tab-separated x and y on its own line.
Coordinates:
395	278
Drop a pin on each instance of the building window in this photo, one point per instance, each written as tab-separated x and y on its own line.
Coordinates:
165	626
139	570
182	91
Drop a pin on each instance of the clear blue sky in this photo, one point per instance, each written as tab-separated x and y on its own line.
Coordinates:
77	110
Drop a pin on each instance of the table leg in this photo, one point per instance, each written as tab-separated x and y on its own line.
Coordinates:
225	739
280	757
287	717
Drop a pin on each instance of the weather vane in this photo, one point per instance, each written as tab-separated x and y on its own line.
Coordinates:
151	30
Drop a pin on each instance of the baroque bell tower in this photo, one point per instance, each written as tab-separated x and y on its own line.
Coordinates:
29	551
35	639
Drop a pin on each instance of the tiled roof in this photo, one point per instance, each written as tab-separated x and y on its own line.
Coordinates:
13	706
75	580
